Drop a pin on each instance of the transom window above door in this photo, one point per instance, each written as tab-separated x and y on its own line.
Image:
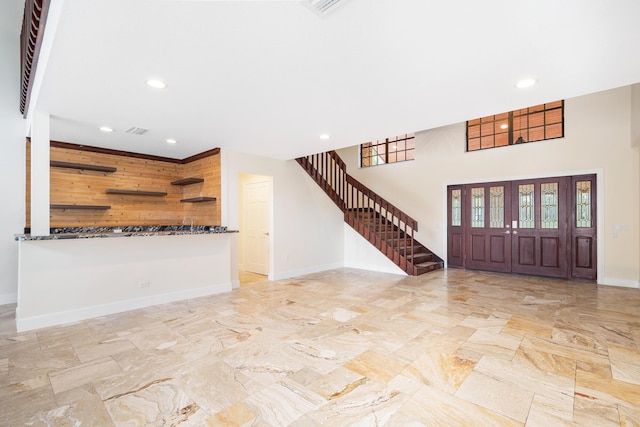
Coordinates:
537	123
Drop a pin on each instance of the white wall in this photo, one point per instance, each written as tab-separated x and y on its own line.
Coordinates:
359	253
597	138
307	234
635	122
12	140
101	276
635	115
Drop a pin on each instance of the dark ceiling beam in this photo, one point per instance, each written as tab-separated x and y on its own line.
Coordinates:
33	23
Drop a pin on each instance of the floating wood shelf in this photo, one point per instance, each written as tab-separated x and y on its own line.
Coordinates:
199	200
187	181
135	192
82	166
93	207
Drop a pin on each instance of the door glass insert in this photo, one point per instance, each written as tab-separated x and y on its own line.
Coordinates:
496	212
526	193
456	208
477	207
549	205
549	226
583	204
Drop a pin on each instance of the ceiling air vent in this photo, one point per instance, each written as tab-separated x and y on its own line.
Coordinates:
136	131
322	7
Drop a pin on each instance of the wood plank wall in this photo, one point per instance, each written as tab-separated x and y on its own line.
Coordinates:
206	213
84	187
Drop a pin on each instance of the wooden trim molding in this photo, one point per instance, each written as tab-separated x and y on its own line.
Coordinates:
70	146
202	155
33	24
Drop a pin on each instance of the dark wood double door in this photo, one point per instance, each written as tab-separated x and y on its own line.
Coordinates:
544	227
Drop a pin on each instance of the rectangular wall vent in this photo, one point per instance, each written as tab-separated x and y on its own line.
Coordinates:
136	131
322	7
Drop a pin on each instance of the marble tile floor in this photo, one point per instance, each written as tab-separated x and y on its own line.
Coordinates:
343	347
247	277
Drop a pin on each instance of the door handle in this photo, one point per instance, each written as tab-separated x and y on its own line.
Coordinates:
515	232
508	232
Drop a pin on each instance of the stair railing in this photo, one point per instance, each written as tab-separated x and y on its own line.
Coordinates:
384	225
330	173
388	223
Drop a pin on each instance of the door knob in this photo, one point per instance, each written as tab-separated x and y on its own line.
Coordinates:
508	232
515	232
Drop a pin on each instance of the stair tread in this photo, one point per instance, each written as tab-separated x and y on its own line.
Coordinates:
427	267
417	249
428	263
419	255
404	243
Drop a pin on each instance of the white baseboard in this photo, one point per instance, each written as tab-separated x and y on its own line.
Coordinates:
380	268
361	254
235	284
303	271
8	299
625	283
70	316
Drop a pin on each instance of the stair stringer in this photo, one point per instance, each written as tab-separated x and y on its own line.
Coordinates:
338	195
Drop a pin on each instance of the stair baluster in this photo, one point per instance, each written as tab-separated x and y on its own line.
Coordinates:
385	226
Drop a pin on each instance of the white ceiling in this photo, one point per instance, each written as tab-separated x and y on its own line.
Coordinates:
267	77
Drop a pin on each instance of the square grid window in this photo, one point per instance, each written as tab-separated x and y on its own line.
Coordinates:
391	150
538	123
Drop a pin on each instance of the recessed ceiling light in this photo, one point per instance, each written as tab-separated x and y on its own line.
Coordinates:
157	84
171	141
325	136
525	83
106	129
504	126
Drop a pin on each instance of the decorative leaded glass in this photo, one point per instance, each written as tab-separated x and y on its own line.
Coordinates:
583	204
456	208
477	207
496	212
549	205
526	195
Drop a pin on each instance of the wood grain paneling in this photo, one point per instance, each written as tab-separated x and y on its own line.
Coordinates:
204	213
86	187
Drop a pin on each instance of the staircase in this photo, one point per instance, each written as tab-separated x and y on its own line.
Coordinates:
385	226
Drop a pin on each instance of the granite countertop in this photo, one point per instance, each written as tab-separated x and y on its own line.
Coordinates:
124	231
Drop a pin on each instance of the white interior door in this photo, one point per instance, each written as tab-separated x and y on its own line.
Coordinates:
256	220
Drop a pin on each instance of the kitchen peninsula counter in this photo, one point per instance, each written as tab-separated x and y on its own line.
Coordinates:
127	231
75	274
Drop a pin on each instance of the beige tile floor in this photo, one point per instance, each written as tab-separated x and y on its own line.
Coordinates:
247	277
343	347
